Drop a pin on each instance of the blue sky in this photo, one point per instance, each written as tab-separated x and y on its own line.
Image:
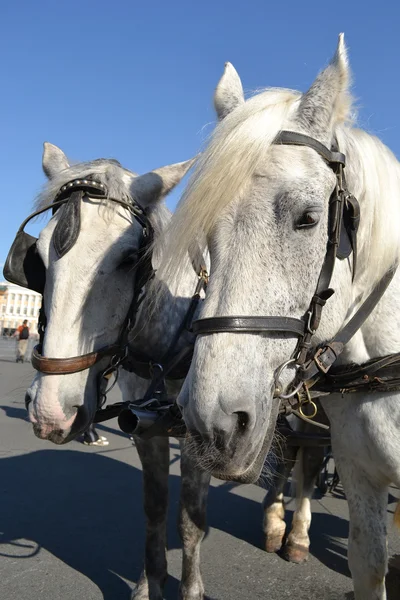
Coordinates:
134	80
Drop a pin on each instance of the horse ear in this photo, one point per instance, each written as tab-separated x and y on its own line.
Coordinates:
153	186
328	101
54	160
229	92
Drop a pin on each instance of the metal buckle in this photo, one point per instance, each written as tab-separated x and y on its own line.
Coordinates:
204	275
155	366
309	330
319	364
203	280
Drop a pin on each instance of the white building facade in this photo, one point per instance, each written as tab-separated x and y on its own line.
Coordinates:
16	305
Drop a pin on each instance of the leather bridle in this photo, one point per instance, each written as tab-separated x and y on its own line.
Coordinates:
25	267
344	215
78	190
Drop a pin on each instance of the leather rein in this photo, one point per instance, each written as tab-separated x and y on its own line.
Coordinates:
313	364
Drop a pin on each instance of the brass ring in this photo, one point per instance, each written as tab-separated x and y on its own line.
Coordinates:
313	414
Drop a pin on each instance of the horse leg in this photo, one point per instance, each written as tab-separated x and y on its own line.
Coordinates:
367	550
192	525
310	461
154	456
274	525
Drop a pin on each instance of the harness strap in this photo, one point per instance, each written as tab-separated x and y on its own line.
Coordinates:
303	328
350	224
175	369
326	355
381	373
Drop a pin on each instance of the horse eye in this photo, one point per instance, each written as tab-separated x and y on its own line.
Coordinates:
307	220
128	261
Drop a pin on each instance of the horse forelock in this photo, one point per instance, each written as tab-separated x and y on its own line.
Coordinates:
237	146
116	178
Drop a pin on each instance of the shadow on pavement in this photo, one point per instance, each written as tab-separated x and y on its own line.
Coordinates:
86	509
15	413
114	430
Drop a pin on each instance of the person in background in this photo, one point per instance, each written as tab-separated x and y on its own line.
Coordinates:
22	335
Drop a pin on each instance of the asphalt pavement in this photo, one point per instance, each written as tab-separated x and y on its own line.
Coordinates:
8	349
71	522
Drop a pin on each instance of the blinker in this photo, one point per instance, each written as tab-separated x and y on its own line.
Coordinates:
23	265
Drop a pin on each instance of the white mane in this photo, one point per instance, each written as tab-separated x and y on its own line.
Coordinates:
373	176
239	145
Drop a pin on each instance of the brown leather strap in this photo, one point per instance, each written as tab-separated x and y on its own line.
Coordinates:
74	364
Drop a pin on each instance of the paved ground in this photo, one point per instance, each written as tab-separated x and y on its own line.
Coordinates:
72	527
8	348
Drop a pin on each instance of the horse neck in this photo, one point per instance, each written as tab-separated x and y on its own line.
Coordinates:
163	310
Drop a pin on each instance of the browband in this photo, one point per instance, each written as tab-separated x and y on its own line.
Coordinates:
292	138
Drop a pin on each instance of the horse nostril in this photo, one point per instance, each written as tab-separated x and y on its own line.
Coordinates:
243	419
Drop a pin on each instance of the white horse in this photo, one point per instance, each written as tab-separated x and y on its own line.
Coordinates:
87	295
263	209
81	285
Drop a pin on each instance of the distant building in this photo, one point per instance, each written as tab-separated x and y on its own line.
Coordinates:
17	304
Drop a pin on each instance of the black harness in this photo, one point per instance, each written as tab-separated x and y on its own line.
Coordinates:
312	364
25	268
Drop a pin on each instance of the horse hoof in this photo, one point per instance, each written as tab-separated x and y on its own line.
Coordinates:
296	553
273	543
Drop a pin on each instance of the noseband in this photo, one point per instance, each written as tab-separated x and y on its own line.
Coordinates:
344	217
